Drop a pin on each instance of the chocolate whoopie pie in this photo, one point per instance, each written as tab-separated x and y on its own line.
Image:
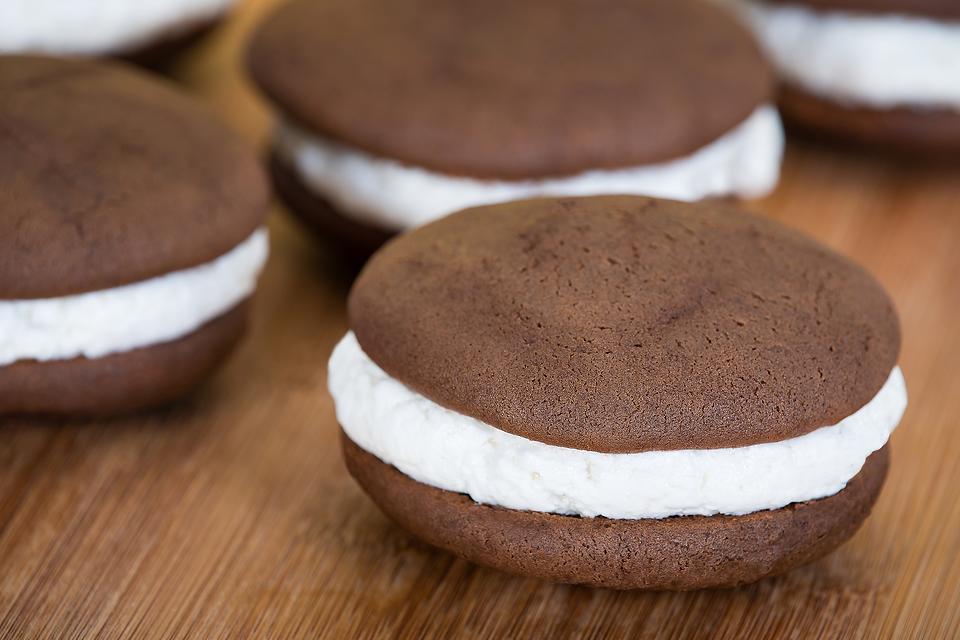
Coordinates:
883	72
619	391
130	238
393	114
145	31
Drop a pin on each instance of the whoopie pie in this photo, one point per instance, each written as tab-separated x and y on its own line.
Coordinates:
147	31
883	72
619	391
393	114
130	238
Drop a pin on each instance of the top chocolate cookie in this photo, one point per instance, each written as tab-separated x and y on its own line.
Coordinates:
109	176
627	324
512	90
946	9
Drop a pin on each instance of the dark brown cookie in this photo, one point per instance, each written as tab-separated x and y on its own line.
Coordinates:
679	553
160	54
946	9
97	159
512	89
626	323
934	132
344	234
121	382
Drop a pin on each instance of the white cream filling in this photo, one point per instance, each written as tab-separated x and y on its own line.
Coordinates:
144	313
394	196
452	451
96	26
882	60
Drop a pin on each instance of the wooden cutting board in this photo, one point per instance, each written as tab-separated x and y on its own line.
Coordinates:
231	514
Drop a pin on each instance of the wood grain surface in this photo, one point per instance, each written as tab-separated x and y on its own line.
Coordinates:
231	514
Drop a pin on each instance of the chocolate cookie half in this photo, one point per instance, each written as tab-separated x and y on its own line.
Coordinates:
445	105
147	31
619	391
671	553
881	72
130	237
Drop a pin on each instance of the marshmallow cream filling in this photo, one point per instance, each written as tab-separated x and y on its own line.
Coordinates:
97	26
388	194
452	451
882	60
144	313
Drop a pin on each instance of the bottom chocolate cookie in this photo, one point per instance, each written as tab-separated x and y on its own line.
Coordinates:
355	239
158	54
918	131
678	553
137	379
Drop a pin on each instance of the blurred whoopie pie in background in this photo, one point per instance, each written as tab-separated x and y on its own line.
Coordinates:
131	237
619	391
393	114
882	72
145	31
